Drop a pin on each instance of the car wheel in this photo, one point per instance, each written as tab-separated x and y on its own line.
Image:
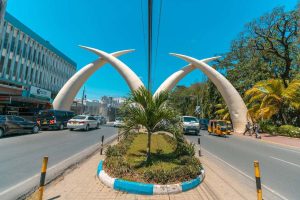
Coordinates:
61	127
1	132
35	129
87	128
71	129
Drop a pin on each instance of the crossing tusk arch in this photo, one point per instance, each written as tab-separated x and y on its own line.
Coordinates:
235	103
133	81
172	80
67	93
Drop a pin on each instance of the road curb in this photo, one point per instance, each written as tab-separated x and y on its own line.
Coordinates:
147	188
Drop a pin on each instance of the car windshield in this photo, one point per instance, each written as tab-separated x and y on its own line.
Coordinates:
222	123
204	121
79	117
189	119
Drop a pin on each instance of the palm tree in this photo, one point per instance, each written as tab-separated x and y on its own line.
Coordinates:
222	111
148	111
270	97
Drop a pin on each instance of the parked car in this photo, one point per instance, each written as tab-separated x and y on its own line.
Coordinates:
203	124
101	119
54	119
98	118
84	122
190	125
10	124
118	122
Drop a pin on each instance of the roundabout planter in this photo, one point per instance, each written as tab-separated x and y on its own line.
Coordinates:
146	188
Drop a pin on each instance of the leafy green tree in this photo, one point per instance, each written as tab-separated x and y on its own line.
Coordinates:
271	97
268	48
147	111
275	36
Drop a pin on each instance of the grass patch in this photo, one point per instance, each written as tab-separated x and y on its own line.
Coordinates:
127	160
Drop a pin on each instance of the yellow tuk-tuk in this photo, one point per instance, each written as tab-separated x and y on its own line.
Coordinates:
229	127
219	127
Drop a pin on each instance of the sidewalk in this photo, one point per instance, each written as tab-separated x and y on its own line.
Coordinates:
281	140
82	183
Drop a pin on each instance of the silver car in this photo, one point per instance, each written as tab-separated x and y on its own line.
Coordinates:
190	125
84	122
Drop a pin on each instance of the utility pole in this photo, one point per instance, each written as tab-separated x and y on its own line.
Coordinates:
82	98
150	4
198	107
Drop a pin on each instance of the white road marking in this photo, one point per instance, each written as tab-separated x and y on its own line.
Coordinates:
291	150
49	169
271	144
296	165
244	174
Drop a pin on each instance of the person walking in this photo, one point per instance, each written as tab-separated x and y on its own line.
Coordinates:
248	128
256	129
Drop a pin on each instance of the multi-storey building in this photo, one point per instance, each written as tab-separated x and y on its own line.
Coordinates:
32	71
109	106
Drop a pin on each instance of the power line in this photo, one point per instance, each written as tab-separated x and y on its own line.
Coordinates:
143	27
150	4
157	37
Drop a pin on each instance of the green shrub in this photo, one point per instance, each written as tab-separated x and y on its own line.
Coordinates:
289	130
121	148
189	160
179	174
117	166
268	127
117	150
185	149
173	159
160	176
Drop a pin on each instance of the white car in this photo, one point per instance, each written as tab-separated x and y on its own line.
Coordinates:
190	124
119	122
84	122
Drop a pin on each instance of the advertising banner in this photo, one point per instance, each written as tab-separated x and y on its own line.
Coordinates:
40	93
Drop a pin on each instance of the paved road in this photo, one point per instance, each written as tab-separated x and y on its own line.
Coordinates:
280	166
21	156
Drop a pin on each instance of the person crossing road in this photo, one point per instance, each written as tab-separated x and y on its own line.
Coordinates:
248	128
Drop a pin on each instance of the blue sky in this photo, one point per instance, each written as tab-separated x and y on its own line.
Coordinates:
196	28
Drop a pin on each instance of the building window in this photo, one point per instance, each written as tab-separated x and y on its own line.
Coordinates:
8	66
31	75
15	69
40	79
19	47
26	72
21	68
12	44
6	40
2	63
24	50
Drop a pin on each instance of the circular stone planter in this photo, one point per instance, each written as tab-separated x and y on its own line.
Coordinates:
146	188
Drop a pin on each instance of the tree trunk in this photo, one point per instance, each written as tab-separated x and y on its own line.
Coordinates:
283	118
149	147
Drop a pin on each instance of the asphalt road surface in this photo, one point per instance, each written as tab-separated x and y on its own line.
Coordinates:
280	166
21	156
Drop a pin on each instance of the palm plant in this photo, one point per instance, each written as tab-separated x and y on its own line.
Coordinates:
148	111
270	97
222	111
